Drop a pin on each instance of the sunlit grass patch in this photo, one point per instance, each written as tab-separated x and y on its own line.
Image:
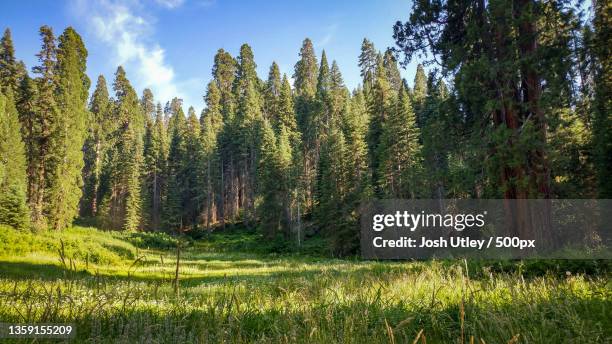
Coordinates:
269	298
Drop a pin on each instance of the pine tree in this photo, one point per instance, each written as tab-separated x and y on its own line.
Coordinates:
332	183
346	236
272	95
368	64
211	124
419	93
338	94
31	131
42	163
65	187
381	101
194	184
342	185
286	112
100	126
244	141
393	74
154	158
505	107
305	78
602	121
306	71
177	155
400	152
13	209
224	73
11	71
436	136
121	205
273	180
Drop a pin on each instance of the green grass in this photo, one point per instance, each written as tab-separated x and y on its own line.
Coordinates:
235	288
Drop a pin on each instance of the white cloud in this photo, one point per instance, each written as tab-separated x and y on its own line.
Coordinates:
331	31
129	36
170	3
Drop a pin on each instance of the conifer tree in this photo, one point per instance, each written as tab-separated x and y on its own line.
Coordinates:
419	93
72	91
346	236
393	74
101	124
338	94
381	101
43	162
13	209
342	185
177	155
436	135
286	112
368	64
154	158
224	73
11	71
193	198
305	78
274	179
121	205
306	71
272	94
31	130
211	124
602	121
244	141
400	152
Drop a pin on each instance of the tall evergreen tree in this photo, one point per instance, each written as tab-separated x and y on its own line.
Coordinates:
506	107
419	93
368	64
305	78
154	158
13	209
393	74
43	162
193	199
272	94
274	179
306	71
381	103
286	111
211	124
602	122
72	91
400	152
224	73
11	71
121	205
101	124
177	156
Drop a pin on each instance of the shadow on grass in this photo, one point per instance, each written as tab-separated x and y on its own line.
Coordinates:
24	271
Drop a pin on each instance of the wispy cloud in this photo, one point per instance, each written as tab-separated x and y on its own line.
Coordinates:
126	28
329	35
170	3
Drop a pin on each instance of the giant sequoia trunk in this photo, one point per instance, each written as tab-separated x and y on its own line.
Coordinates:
518	93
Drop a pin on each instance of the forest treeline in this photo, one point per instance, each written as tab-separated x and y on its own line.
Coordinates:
516	105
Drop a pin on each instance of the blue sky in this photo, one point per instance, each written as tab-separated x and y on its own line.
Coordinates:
169	45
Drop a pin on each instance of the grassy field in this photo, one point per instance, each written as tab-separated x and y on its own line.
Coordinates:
120	287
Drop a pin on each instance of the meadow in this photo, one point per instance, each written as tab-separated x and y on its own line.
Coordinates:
234	287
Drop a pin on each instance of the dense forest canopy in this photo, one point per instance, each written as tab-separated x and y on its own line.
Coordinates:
516	106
